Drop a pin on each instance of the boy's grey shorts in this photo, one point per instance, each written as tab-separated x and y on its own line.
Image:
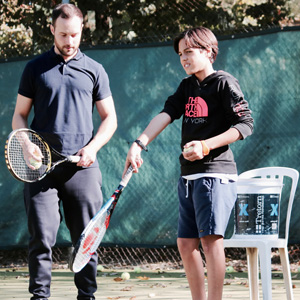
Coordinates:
205	205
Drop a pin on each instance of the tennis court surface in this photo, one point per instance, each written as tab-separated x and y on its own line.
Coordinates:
156	284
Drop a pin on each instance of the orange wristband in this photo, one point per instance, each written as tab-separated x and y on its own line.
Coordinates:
205	149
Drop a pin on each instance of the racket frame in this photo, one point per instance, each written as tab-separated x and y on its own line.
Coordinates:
48	149
81	248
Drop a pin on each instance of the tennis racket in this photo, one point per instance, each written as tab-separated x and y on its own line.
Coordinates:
28	156
93	233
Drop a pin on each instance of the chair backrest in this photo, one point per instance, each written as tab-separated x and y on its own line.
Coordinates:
277	173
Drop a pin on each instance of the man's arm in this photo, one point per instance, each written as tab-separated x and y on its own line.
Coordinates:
20	120
21	113
107	128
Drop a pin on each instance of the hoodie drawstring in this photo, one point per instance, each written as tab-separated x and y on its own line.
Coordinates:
187	189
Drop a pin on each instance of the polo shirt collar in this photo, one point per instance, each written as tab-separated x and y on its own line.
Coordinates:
78	55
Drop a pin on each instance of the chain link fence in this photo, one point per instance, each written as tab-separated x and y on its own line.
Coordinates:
158	259
123	23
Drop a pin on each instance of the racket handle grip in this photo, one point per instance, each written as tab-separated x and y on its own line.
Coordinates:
127	176
73	159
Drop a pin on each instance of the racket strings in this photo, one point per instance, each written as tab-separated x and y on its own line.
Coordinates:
89	242
17	160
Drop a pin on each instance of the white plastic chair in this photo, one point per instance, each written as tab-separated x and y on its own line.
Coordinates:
260	245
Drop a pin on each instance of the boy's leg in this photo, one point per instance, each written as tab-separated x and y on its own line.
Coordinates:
204	213
215	263
193	265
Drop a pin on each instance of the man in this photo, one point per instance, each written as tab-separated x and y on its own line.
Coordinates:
63	85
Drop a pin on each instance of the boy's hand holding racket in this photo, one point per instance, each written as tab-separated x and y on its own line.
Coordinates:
134	156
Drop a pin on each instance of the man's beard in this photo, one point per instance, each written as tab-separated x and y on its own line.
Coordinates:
66	53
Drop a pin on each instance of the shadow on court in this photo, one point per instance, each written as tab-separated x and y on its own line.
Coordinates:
170	285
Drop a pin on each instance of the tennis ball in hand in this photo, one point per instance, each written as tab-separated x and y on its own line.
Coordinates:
188	149
125	276
36	164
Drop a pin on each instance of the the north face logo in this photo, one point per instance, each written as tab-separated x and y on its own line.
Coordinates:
196	108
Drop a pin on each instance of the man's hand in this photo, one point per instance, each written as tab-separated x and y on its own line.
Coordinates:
87	156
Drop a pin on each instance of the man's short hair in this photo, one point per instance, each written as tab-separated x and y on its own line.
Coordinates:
66	11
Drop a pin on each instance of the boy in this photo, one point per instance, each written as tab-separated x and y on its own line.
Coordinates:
215	114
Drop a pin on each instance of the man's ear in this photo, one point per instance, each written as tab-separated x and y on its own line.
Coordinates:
52	29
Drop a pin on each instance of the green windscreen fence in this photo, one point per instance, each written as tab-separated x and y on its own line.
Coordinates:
141	79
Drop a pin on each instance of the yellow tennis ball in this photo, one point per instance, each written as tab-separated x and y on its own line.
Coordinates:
125	276
36	164
100	268
137	270
188	149
229	269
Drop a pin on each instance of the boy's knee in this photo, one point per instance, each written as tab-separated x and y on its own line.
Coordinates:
211	243
187	245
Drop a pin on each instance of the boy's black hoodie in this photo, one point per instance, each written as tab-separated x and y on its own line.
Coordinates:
210	108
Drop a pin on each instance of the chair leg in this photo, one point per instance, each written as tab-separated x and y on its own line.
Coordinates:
266	272
284	258
252	261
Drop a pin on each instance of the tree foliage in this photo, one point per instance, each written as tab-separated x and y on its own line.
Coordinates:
24	25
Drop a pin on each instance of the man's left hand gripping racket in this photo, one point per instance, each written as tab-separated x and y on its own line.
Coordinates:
93	233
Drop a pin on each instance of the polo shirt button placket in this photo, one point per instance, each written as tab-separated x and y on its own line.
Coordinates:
64	68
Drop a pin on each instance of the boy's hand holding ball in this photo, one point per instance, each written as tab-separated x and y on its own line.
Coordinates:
188	149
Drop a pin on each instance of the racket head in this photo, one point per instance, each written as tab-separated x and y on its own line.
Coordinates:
94	232
14	155
91	237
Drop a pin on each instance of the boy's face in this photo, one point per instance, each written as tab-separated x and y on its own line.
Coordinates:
67	35
194	60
